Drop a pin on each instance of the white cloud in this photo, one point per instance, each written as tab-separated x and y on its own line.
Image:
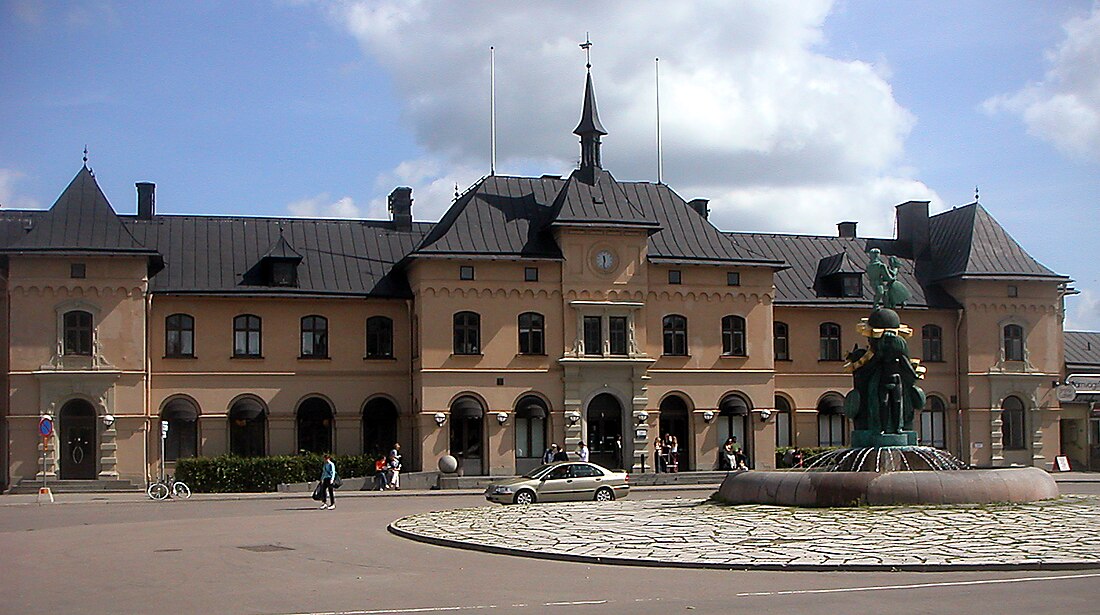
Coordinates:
750	109
433	183
1083	312
9	199
322	206
1064	107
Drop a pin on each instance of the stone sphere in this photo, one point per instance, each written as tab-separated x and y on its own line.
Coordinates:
448	464
884	318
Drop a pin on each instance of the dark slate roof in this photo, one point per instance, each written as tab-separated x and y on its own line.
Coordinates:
213	254
1082	350
498	216
836	263
600	202
807	253
80	221
967	241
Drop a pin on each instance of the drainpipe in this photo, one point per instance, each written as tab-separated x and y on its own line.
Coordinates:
963	450
148	386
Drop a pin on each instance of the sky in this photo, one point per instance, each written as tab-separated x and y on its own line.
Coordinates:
789	115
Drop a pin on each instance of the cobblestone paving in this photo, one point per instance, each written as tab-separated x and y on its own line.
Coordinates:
1063	533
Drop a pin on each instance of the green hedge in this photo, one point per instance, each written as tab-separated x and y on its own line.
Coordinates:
229	474
808	453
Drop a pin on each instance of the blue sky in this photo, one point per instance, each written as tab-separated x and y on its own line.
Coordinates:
789	115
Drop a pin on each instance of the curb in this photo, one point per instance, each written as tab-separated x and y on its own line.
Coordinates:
619	561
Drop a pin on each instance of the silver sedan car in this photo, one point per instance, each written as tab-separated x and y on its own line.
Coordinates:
560	482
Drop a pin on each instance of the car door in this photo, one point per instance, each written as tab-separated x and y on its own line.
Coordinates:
586	479
557	485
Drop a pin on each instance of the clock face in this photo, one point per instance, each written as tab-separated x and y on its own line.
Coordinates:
605	260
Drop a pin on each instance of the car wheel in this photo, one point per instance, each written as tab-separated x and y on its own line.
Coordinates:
604	494
524	497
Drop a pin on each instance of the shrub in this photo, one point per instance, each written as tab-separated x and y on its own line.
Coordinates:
230	474
808	453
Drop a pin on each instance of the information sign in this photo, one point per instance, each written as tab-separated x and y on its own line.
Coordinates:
1062	462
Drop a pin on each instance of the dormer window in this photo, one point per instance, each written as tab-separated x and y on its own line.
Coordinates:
284	273
838	276
851	285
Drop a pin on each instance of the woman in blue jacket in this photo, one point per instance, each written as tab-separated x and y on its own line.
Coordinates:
328	475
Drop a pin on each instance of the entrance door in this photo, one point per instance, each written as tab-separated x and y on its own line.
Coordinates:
78	441
605	431
674	422
466	434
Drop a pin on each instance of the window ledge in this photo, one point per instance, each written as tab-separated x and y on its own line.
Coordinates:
531	354
247	357
379	357
467	354
733	356
676	356
180	356
830	360
313	358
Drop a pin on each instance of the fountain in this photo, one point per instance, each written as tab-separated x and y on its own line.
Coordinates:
885	466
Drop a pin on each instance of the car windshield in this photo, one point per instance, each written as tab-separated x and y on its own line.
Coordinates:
538	472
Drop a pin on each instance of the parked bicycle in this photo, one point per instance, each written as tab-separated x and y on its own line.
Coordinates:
168	487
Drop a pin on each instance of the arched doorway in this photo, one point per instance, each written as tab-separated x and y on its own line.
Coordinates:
531	417
315	426
379	426
78	441
183	434
674	422
247	428
605	431
466	434
733	422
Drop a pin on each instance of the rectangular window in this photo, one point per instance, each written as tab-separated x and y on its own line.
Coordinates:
932	429
674	276
77	270
782	345
853	286
617	326
1013	291
466	272
733	278
783	429
593	335
530	274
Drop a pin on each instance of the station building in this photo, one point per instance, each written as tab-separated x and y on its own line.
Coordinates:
537	310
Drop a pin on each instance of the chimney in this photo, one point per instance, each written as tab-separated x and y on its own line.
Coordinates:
700	206
147	200
912	220
401	202
846	229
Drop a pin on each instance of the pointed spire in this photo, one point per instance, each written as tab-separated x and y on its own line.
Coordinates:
589	129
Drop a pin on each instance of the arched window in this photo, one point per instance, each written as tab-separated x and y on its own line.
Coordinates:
782	422
733	336
1013	423
933	419
179	336
78	333
531	333
314	337
246	336
932	342
247	428
1014	343
830	341
782	341
379	337
467	333
733	424
315	426
675	334
379	426
531	414
831	430
182	440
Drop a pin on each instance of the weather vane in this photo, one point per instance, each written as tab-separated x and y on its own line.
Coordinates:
975	194
587	47
85	155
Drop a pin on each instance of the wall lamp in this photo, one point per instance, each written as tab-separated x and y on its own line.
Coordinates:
765	415
573	417
108	420
641	417
708	416
502	417
440	418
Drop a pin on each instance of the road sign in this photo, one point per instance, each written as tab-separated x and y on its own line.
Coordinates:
45	426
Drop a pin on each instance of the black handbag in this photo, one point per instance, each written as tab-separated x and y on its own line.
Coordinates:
318	492
337	482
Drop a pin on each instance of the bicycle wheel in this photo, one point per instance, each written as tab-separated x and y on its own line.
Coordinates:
158	491
180	490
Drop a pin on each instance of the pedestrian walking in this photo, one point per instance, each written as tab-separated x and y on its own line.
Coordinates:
560	455
550	453
582	452
328	476
395	467
658	455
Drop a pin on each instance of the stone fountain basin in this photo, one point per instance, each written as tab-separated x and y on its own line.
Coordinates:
816	489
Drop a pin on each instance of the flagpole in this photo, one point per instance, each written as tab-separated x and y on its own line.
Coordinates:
657	80
492	112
